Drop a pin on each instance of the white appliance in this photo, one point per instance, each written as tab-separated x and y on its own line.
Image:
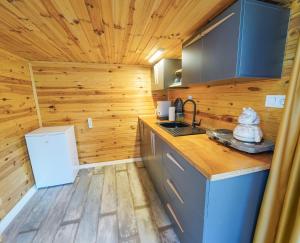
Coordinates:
53	155
162	110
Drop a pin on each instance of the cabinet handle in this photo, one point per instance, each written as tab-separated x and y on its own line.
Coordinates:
171	185
175	217
175	162
153	143
141	131
209	29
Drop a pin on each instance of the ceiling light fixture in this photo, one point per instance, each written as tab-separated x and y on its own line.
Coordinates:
156	55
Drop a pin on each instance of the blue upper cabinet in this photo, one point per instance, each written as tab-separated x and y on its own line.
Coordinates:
246	41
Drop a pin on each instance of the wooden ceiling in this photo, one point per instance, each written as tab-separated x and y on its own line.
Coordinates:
103	31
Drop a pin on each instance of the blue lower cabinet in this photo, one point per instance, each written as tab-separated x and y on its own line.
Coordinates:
202	210
232	207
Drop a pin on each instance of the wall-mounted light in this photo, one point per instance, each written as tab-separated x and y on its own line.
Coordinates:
156	55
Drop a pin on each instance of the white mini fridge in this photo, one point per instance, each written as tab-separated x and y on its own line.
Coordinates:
53	155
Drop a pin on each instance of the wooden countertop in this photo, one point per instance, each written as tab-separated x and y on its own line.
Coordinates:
212	159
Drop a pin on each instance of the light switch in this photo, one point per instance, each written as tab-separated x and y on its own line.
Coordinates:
275	101
90	122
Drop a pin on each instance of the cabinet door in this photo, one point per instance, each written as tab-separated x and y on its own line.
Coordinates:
192	63
142	139
263	39
145	145
186	189
157	169
158	73
220	45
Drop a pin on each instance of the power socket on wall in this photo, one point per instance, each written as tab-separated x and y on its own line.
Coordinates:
90	122
275	101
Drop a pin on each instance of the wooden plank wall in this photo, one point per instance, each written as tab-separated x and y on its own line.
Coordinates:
112	95
17	117
218	106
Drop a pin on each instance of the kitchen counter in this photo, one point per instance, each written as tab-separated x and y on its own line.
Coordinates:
213	160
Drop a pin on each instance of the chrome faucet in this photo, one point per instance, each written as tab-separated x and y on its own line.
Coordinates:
194	123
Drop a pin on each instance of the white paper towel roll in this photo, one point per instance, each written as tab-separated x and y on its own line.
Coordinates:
172	113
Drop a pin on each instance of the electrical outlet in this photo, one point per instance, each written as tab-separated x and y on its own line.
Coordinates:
90	122
275	101
190	97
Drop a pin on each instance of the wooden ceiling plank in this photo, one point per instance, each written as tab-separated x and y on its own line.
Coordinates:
60	20
107	20
25	40
72	23
55	32
94	12
104	31
151	28
83	20
37	14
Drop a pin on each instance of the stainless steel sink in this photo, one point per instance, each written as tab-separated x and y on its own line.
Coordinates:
181	128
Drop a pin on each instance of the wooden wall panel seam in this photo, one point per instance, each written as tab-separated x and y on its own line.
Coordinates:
36	100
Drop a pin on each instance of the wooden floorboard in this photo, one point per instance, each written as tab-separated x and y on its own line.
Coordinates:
15	226
121	167
26	237
108	204
88	226
160	217
66	233
138	194
126	215
40	211
75	207
109	196
108	229
50	225
169	236
146	227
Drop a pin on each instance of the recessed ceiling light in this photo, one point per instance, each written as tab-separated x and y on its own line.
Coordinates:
156	55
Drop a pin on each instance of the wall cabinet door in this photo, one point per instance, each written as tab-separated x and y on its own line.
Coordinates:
164	73
220	46
192	63
158	76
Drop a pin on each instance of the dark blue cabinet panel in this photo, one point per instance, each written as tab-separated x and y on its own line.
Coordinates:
152	154
192	63
232	208
156	166
187	202
246	41
262	44
220	50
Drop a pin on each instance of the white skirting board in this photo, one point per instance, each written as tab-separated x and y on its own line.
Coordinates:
18	207
113	162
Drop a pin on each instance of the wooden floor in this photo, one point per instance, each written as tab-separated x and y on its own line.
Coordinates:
106	204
